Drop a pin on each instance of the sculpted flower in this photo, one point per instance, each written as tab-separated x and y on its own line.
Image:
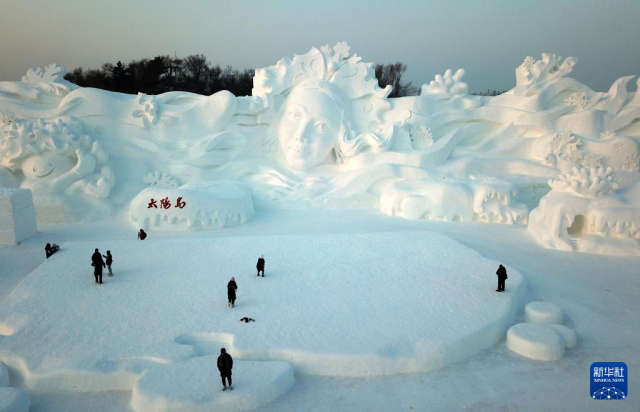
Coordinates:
342	51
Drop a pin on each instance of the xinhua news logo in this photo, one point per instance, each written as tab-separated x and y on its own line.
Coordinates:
609	380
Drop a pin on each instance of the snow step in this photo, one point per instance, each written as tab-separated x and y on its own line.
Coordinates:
575	244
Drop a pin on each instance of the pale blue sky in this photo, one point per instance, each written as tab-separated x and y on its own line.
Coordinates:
489	38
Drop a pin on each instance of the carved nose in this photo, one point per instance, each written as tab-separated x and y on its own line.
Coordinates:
301	133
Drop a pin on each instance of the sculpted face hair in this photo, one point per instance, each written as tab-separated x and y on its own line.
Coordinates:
315	119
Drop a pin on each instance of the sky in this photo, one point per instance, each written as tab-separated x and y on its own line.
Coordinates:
487	38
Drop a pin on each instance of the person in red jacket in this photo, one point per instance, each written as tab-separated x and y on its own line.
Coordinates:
225	364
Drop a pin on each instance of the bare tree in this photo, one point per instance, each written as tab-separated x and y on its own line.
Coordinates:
391	74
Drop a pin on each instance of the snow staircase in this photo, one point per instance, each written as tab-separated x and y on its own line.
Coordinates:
575	244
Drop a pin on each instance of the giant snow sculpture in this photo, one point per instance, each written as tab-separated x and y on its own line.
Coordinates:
318	131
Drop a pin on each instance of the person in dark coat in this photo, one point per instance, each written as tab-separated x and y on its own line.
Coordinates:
98	264
142	235
109	261
225	364
502	276
231	291
260	265
50	249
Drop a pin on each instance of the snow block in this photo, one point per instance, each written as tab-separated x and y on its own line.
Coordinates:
542	313
567	334
14	400
17	216
4	375
195	385
535	342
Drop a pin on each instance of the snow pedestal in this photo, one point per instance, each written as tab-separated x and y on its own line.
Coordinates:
14	400
195	385
542	313
535	342
17	216
569	336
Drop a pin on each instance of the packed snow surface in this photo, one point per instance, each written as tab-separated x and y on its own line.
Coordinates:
13	400
4	375
195	385
340	305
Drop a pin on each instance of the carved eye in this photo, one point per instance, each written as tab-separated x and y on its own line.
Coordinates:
322	127
297	116
34	169
50	164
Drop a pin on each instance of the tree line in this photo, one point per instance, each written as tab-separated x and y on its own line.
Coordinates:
195	74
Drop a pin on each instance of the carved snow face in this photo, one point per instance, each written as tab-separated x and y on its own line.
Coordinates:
46	166
309	128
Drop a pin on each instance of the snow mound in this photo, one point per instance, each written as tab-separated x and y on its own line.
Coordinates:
542	313
4	375
192	206
569	336
535	342
14	400
194	385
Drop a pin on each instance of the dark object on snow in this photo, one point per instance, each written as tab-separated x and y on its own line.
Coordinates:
51	249
502	276
142	235
231	291
98	264
260	265
225	364
109	261
247	320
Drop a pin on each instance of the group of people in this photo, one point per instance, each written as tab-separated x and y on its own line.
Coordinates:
98	264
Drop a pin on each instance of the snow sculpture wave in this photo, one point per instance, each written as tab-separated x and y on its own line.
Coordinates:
318	131
488	200
192	206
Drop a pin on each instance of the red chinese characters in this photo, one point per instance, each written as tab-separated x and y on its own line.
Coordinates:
166	203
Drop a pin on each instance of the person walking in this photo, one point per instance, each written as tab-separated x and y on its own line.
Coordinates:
225	364
260	265
231	291
502	276
109	261
98	264
142	235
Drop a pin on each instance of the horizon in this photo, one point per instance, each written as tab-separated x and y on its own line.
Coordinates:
429	39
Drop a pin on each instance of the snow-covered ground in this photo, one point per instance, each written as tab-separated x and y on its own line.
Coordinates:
598	295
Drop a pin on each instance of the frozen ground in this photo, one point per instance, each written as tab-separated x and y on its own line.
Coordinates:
598	295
